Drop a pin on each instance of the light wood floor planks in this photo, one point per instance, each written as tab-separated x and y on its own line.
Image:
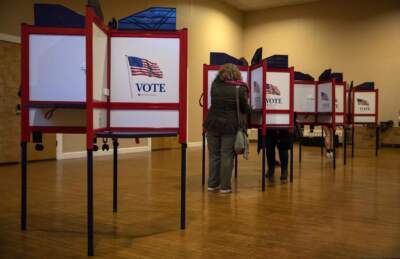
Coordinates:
353	212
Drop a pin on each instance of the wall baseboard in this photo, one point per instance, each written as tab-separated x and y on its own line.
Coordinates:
127	150
195	144
10	38
82	154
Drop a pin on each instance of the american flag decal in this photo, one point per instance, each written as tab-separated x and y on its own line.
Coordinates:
362	102
144	67
324	96
272	89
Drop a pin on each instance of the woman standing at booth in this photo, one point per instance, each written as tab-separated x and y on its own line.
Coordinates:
222	124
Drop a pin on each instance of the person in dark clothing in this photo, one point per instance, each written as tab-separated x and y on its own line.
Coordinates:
222	124
281	139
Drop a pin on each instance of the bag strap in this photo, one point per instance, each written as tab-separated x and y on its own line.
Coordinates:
237	107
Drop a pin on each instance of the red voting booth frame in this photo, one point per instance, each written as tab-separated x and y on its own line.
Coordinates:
264	110
333	122
90	104
353	114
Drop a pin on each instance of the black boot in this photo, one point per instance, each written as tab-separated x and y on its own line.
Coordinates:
284	175
270	175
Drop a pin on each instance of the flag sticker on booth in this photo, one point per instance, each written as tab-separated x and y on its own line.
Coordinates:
273	89
146	77
362	101
363	104
143	67
324	96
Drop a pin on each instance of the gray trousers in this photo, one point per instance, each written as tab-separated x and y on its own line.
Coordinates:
221	156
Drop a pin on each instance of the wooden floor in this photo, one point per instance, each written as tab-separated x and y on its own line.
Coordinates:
353	212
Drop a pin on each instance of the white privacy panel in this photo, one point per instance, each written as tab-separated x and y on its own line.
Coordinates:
325	97
339	119
304	97
277	119
99	118
364	103
60	117
57	68
339	94
271	119
364	119
144	70
99	63
256	85
144	119
278	91
211	75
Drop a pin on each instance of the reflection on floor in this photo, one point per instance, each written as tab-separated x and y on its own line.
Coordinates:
351	212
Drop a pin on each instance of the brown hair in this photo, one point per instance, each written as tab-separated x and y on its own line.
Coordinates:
229	72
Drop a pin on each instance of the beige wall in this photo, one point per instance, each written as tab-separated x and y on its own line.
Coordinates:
213	26
360	38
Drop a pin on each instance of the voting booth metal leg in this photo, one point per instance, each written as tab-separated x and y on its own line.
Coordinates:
23	184
322	141
334	149
344	144
90	244
236	165
115	176
291	164
300	140
263	164
377	142
352	141
203	161
183	186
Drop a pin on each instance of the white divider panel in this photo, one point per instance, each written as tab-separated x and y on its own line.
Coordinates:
271	119
99	64
364	119
325	97
278	91
256	88
57	68
277	119
339	119
364	103
60	117
144	70
144	118
99	118
212	74
304	97
339	94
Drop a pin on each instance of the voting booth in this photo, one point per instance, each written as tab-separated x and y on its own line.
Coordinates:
364	111
103	83
272	103
320	103
270	97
